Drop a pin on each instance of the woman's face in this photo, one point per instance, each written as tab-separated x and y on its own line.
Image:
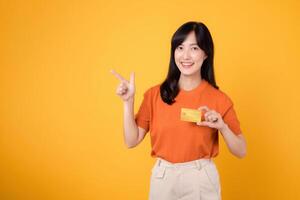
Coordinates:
188	56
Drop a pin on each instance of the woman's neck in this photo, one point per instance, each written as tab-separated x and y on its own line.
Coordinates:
188	83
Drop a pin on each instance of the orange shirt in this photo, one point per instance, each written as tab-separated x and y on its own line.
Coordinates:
179	141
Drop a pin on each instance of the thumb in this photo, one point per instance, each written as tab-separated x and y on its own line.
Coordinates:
132	77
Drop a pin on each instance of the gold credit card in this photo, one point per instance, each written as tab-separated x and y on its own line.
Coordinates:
190	115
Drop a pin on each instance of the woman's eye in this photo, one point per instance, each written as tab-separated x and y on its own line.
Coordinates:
195	48
180	48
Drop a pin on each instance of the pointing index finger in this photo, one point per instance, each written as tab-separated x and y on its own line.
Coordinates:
118	75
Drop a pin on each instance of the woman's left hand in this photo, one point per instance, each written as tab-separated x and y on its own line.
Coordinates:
213	119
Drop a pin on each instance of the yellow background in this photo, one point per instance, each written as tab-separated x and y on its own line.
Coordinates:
61	122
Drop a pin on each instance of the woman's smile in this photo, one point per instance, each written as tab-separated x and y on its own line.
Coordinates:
187	64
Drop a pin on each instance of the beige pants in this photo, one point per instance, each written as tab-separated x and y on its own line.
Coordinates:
194	180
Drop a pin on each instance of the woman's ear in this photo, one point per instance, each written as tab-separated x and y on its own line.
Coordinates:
205	56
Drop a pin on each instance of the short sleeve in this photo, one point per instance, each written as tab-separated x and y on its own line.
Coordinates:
230	117
142	117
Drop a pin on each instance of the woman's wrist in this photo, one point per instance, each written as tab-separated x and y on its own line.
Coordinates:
129	101
223	128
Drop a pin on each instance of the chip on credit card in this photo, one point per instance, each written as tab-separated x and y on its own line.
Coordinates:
190	115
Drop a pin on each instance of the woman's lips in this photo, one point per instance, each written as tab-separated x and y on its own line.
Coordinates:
186	65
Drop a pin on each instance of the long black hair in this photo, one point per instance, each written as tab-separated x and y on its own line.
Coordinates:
169	88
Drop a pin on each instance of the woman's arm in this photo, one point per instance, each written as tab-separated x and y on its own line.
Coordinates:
235	143
133	134
129	125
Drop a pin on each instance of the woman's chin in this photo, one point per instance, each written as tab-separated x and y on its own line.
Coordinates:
189	72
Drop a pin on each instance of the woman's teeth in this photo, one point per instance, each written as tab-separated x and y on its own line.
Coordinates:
187	64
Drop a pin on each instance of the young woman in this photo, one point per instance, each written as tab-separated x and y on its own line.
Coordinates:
184	168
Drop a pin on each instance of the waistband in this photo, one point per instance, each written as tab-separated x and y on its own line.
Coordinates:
199	163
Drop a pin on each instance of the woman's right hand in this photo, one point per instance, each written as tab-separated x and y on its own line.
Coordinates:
126	89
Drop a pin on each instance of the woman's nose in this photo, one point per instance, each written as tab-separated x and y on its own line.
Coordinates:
186	54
